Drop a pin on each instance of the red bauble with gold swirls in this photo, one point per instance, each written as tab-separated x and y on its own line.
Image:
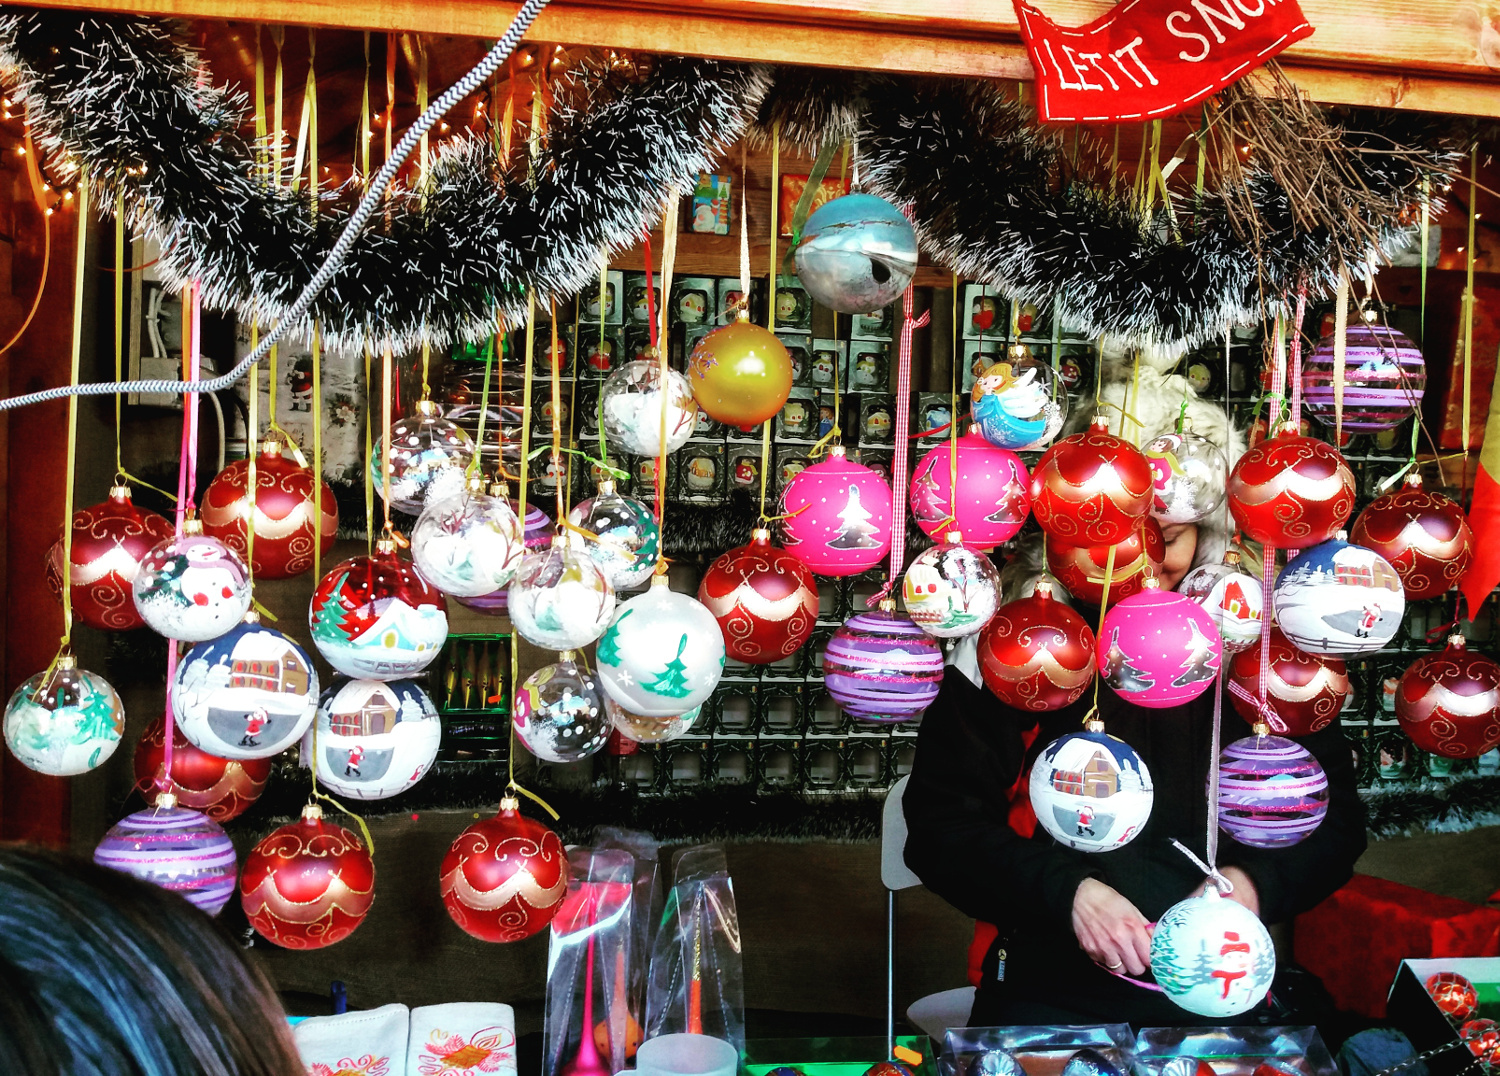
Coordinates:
1082	568
764	598
109	540
1291	491
1091	488
1036	654
219	787
285	516
1306	691
504	878
1449	702
309	884
1424	535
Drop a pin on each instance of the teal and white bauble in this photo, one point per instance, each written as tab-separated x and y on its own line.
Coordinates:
628	540
469	542
1212	956
64	721
663	653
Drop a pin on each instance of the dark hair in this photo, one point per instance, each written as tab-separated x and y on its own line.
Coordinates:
102	974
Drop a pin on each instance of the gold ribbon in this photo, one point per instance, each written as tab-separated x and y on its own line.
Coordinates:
80	268
775	225
1469	302
1340	345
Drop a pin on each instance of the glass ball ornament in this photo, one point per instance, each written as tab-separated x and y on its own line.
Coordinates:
1084	569
1019	404
643	729
468	542
837	516
1449	702
764	599
288	521
1212	956
1304	691
1337	598
880	667
741	374
1291	491
1272	792
991	501
180	850
536	531
309	884
191	588
629	541
558	712
427	451
560	598
857	254
109	542
64	721
663	653
504	878
222	788
1233	599
1425	537
1091	488
1384	377
949	590
1091	791
251	693
1036	654
376	618
1482	1037
1158	648
1453	994
375	738
1189	473
632	402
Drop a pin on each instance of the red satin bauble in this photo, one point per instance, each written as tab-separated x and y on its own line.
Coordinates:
284	514
504	878
1037	654
1424	535
1449	702
1082	568
219	787
109	541
764	598
1291	492
1091	488
309	884
1306	691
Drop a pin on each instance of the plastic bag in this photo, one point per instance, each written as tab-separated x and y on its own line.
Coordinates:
1039	1050
1235	1051
646	914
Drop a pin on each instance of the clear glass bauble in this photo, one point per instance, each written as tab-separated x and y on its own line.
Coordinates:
559	714
65	723
632	402
644	729
949	590
1190	474
427	450
629	540
1232	598
468	543
560	599
192	587
1019	403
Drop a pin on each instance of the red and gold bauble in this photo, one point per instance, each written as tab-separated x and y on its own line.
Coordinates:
1291	491
1449	702
1082	568
1453	994
309	884
219	787
741	374
1305	691
764	598
109	541
992	499
1424	536
1037	654
1091	488
285	516
504	878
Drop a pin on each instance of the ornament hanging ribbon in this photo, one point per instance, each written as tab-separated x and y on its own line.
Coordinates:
909	325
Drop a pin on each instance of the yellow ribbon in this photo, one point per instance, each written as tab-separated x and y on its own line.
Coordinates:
1469	296
775	226
1340	326
79	272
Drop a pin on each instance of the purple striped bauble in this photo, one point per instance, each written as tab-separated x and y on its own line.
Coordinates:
881	667
1272	792
178	849
1384	376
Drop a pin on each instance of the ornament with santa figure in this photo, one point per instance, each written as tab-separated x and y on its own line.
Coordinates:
375	738
1232	598
1091	791
950	590
192	588
1337	598
1019	404
251	693
1212	956
1158	648
1189	474
376	618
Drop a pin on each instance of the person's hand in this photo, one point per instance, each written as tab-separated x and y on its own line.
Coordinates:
1110	929
1244	889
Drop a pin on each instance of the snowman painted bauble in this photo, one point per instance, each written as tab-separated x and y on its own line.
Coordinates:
1233	600
1091	791
560	598
950	590
1212	956
64	721
376	618
1159	649
375	738
1337	598
559	715
629	541
1189	473
428	455
192	588
469	542
836	516
1019	404
663	653
990	503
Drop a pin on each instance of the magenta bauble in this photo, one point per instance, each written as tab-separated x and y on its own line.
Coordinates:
992	501
838	516
1159	648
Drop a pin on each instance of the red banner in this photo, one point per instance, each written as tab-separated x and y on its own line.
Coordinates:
1145	59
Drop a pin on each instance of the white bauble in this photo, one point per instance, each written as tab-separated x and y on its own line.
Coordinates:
375	738
663	653
1212	956
468	543
560	599
1091	791
66	723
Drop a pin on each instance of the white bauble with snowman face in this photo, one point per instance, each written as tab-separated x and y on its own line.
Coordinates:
375	738
251	693
192	587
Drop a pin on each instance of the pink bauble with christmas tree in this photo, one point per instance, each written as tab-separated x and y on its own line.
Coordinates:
838	516
1159	649
992	501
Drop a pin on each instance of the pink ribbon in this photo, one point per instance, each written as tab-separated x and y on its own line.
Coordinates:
1296	372
909	325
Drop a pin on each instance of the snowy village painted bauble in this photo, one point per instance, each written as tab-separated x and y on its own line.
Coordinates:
468	542
949	590
1291	491
1212	956
559	715
287	522
536	531
857	254
309	884
1449	702
1091	488
428	454
1091	791
741	374
251	693
1189	475
1425	536
560	598
1272	792
180	850
504	878
376	618
643	729
663	653
222	788
629	541
1232	599
1019	404
192	588
1083	569
1036	654
764	598
880	667
1305	691
991	502
64	721
837	516
1158	648
109	541
1337	598
1384	377
632	402
375	738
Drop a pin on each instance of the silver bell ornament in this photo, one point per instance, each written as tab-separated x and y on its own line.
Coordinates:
629	541
559	715
560	599
632	402
857	254
427	450
469	542
1190	475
